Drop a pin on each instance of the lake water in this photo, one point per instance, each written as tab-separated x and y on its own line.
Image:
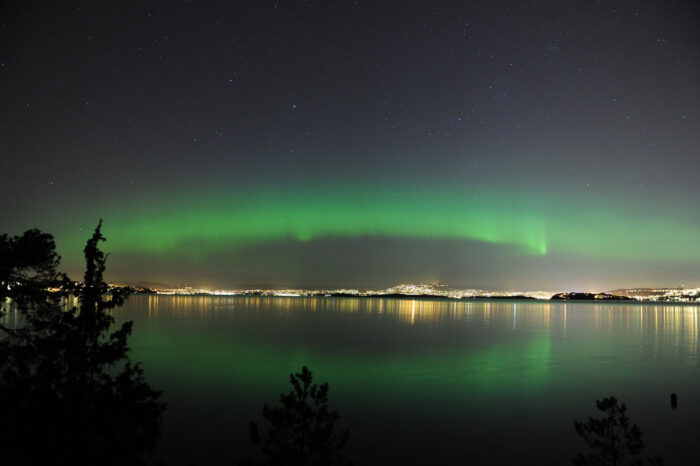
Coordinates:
420	381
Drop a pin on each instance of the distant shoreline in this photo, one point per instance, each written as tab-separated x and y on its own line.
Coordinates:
427	298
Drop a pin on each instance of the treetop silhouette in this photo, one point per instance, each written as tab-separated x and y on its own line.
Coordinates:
612	438
76	396
302	429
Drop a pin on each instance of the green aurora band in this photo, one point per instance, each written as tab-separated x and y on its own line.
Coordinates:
226	219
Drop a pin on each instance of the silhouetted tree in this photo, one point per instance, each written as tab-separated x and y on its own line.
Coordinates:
615	442
76	398
28	266
302	429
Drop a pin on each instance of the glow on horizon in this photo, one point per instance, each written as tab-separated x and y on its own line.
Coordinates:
231	220
200	223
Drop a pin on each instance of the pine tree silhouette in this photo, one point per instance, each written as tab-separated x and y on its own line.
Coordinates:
302	429
76	396
615	442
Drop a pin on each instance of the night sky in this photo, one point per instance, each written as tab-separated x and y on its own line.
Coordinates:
532	145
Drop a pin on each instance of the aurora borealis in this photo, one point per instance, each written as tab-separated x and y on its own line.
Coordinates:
302	215
354	144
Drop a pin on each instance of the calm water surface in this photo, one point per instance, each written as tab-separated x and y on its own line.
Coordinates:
420	381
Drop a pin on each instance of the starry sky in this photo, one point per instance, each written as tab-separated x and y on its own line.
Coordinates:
530	145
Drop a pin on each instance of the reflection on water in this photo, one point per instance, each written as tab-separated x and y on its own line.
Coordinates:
453	374
659	330
670	330
9	315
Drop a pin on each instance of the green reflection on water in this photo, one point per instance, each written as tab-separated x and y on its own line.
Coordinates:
254	357
451	375
393	350
483	369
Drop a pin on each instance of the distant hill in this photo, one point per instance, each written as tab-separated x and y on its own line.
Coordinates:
573	296
644	292
151	285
